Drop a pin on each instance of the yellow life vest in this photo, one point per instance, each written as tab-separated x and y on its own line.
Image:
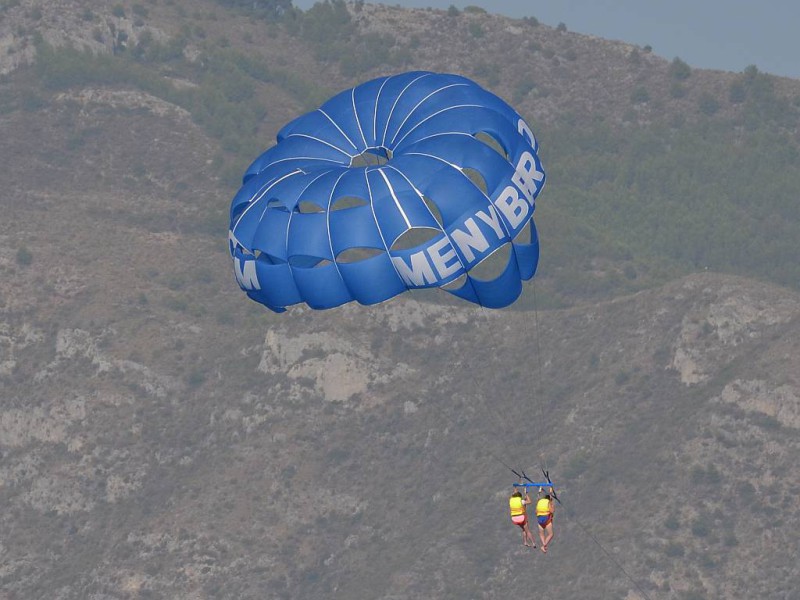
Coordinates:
516	506
542	507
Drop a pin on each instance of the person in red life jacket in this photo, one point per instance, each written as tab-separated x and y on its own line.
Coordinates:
544	517
519	516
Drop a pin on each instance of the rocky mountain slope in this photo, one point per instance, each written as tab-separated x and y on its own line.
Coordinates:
162	437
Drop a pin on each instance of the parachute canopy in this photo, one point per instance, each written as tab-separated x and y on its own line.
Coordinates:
416	180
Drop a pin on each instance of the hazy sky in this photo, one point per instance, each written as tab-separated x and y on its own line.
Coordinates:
711	34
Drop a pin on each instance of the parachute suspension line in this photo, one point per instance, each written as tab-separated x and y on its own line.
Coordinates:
605	551
543	457
481	449
500	427
538	396
475	383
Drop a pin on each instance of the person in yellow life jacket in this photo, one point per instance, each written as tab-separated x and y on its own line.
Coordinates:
544	517
519	516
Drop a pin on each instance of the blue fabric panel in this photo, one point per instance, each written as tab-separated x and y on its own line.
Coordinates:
410	203
298	150
319	188
466	151
270	237
352	183
354	228
387	215
498	293
290	190
318	125
246	225
422	90
341	110
308	236
365	101
372	280
278	287
390	97
434	103
322	287
247	193
454	194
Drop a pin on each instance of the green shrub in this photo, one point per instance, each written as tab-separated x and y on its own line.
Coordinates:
523	87
701	527
737	92
24	256
195	378
576	465
708	104
264	9
475	30
640	95
679	70
674	550
676	90
139	10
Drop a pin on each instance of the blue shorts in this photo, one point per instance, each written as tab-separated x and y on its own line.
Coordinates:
543	520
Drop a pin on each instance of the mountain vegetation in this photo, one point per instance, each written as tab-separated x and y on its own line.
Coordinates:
163	437
639	176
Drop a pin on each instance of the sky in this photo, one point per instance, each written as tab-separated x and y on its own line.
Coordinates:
707	34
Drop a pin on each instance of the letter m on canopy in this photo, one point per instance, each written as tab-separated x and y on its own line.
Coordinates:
245	270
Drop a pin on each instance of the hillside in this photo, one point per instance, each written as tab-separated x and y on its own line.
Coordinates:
163	437
656	169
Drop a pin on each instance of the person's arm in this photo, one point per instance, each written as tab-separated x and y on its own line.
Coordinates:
527	499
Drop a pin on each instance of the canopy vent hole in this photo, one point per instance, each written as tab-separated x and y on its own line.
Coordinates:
371	157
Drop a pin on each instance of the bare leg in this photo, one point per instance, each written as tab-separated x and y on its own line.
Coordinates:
541	538
527	532
548	536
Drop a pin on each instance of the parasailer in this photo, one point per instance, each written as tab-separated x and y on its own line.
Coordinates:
410	181
517	504
544	518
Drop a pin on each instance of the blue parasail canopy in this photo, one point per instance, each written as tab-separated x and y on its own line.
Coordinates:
415	180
